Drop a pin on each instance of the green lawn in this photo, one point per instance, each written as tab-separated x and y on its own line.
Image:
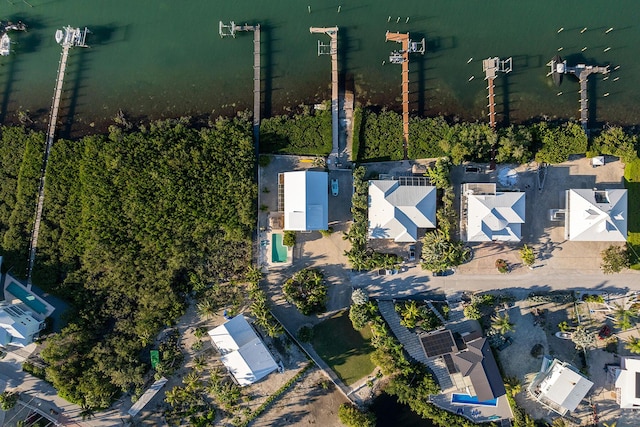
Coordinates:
344	349
632	182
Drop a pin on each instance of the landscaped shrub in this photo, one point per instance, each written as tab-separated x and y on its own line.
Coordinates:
307	291
289	238
502	266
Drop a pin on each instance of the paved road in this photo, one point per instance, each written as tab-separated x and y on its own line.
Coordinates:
415	281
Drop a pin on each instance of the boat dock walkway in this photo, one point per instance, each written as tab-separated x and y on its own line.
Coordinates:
402	57
582	72
230	30
491	67
331	49
72	37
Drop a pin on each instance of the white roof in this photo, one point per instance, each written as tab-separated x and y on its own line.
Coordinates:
596	215
398	211
243	352
17	326
147	396
306	200
495	217
564	386
628	381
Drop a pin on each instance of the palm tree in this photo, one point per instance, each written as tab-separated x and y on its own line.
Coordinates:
633	345
192	381
410	314
207	308
172	396
623	317
502	324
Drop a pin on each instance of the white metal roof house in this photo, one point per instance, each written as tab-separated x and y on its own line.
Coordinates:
559	386
306	200
628	383
596	215
243	352
493	215
398	209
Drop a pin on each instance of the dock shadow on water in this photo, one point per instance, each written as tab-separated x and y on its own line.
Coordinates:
266	62
79	67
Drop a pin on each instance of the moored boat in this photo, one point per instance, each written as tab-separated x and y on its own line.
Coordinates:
5	45
558	68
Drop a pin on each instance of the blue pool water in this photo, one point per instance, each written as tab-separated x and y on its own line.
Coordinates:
465	399
278	250
26	297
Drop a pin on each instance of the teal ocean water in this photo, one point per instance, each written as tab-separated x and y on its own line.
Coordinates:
164	58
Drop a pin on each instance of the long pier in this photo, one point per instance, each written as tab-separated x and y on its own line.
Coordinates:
402	57
230	30
491	67
331	49
72	37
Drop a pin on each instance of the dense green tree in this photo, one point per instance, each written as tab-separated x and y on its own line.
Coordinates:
633	345
8	400
134	221
307	291
615	259
558	143
351	416
616	142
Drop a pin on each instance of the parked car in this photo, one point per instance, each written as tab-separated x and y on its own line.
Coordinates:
447	272
564	335
334	187
387	272
412	252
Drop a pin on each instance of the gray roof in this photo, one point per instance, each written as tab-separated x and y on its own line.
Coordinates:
477	363
596	215
398	211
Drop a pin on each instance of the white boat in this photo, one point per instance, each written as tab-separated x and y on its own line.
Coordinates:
5	45
59	36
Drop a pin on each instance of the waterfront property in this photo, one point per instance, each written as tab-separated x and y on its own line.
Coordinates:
559	386
596	215
305	200
399	207
493	215
242	352
18	327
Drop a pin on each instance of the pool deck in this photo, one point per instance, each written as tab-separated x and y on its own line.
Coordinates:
11	298
475	413
265	251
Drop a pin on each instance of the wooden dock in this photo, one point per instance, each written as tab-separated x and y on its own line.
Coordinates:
230	30
335	100
51	130
402	57
582	72
491	67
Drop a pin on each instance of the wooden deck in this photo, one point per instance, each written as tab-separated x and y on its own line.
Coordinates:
403	39
492	102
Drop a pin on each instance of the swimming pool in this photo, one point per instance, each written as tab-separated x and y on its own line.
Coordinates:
26	297
465	399
278	250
